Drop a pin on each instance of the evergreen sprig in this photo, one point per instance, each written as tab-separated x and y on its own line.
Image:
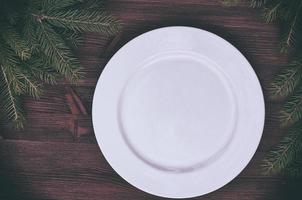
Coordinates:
291	111
285	152
79	20
286	157
287	81
294	169
35	46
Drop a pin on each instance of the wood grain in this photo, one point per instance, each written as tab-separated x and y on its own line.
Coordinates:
56	156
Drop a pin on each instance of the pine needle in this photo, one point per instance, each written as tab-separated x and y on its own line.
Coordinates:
294	169
35	46
29	33
57	4
287	155
291	112
294	29
83	20
9	63
14	40
271	14
258	3
54	46
231	2
286	82
290	15
280	157
10	102
72	37
32	87
43	70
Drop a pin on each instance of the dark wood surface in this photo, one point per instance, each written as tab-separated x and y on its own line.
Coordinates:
57	157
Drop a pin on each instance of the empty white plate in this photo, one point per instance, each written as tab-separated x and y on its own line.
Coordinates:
178	112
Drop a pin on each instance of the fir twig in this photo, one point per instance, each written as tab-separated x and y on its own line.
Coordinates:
12	86
81	20
72	37
29	33
271	14
286	82
258	3
10	101
35	42
57	4
31	86
288	13
43	70
9	63
53	46
14	40
279	158
294	169
291	112
291	36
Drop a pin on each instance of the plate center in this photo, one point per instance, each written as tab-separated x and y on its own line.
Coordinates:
177	113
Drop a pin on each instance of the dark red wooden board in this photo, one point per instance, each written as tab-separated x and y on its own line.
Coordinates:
57	157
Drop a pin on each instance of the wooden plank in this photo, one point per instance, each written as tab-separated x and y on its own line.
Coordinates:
62	124
62	157
79	171
60	127
55	126
54	188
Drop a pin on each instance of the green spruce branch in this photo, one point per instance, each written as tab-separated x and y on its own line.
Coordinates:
53	45
287	84
81	20
36	40
9	98
15	41
291	111
283	155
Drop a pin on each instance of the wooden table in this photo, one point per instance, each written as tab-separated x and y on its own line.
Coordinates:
57	157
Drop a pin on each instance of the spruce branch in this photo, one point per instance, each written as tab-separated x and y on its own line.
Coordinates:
288	13
75	39
55	48
94	4
271	14
14	40
19	80
43	70
231	2
31	86
10	102
280	157
72	37
291	112
83	20
286	82
29	33
35	42
294	29
258	3
57	4
294	169
9	63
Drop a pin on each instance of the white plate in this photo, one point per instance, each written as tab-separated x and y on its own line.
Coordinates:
178	112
